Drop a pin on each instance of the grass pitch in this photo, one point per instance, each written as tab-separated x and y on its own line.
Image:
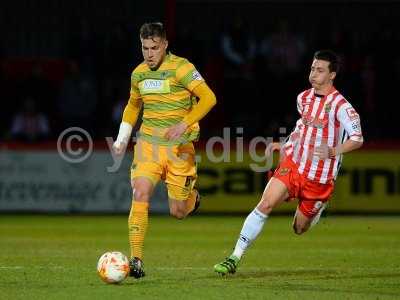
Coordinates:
54	257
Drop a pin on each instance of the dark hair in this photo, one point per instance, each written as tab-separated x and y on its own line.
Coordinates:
331	57
151	30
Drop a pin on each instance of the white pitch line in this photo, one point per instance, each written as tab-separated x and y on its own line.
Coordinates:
161	269
247	269
30	267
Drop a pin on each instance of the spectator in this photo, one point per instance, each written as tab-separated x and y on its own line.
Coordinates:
238	49
38	87
77	100
283	50
28	124
82	46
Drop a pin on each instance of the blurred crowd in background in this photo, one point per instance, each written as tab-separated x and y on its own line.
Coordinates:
255	68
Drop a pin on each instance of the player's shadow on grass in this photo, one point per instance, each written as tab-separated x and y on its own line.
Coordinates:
243	274
312	273
316	274
337	291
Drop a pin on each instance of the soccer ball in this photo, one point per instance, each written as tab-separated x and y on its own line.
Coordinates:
113	267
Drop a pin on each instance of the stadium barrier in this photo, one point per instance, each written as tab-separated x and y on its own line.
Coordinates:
41	181
369	182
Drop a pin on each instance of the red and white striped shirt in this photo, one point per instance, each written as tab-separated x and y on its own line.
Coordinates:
325	120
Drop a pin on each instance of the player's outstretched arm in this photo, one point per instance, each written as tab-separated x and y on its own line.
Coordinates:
347	146
129	118
350	120
324	152
206	102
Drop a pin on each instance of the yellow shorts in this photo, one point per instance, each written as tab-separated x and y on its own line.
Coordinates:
176	165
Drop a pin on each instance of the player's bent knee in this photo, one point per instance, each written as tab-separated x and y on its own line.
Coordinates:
265	207
141	195
299	229
177	213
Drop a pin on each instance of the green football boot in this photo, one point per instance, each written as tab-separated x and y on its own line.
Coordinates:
229	265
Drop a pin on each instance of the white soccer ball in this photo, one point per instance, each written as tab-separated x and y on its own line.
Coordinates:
113	267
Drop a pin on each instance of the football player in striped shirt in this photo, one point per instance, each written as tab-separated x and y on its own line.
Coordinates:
174	97
327	128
